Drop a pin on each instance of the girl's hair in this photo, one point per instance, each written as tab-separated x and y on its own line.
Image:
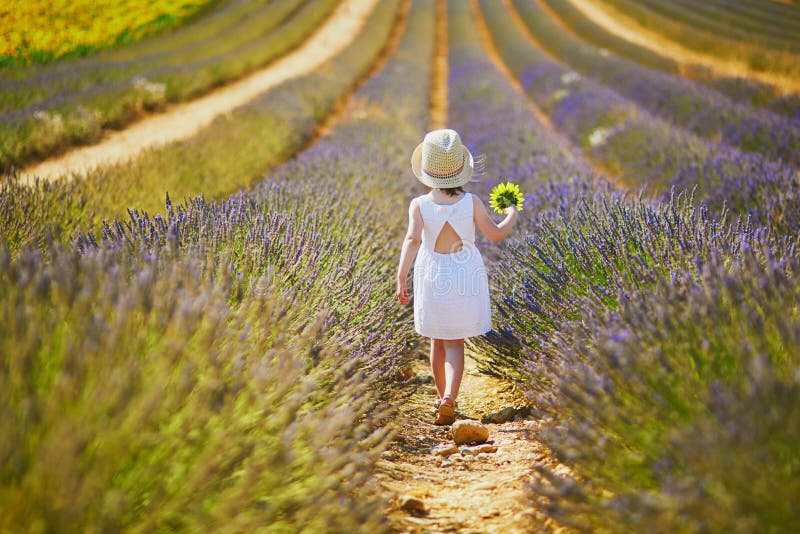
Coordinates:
452	191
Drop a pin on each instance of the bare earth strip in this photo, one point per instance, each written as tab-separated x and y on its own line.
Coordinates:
439	94
486	494
185	120
628	29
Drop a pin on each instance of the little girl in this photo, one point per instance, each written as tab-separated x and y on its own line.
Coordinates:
451	287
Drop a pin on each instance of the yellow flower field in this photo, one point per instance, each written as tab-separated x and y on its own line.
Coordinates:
32	31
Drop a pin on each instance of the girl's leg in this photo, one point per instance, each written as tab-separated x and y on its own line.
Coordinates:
453	366
437	365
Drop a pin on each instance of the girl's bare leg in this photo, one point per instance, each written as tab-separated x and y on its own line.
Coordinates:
437	365
453	366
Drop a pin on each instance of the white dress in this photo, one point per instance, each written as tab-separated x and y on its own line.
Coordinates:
451	291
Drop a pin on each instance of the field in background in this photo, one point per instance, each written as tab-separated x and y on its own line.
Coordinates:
38	32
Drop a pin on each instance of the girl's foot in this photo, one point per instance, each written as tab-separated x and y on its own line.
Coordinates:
446	413
437	402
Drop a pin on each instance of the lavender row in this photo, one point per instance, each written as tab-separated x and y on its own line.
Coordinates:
628	141
745	90
671	98
655	341
221	363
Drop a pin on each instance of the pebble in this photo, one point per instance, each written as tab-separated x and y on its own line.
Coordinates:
466	431
478	449
411	504
484	456
445	450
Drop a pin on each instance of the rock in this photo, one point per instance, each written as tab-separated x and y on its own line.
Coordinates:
503	416
423	379
444	450
447	462
523	412
509	413
466	431
411	504
408	373
478	449
483	456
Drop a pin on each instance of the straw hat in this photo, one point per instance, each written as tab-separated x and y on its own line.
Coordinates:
440	160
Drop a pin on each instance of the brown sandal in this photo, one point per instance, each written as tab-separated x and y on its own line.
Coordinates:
438	401
446	412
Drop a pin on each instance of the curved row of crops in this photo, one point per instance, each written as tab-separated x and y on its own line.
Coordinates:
760	56
671	98
47	108
232	152
249	343
772	30
740	89
659	344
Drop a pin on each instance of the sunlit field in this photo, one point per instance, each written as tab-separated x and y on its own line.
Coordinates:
203	336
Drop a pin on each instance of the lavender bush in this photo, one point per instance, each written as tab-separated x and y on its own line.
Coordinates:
677	411
219	366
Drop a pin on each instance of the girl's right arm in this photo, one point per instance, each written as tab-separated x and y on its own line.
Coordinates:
409	251
484	222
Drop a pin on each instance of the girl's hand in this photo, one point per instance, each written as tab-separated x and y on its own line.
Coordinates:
510	209
402	291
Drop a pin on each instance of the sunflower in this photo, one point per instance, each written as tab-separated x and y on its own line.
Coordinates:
504	195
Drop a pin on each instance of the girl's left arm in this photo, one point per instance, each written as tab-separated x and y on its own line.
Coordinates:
409	250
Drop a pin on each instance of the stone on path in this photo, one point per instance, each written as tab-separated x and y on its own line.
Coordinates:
467	431
503	416
478	449
411	504
445	450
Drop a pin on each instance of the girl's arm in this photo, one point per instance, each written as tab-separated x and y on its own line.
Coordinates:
409	251
484	222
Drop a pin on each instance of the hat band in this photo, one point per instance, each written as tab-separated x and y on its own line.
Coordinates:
449	174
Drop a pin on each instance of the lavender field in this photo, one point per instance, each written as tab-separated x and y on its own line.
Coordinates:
205	338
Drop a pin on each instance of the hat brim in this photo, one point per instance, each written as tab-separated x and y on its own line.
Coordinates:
432	181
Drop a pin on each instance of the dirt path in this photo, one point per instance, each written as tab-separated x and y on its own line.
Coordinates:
185	120
625	27
474	494
439	93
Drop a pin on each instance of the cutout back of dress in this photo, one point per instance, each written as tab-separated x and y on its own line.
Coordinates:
443	224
